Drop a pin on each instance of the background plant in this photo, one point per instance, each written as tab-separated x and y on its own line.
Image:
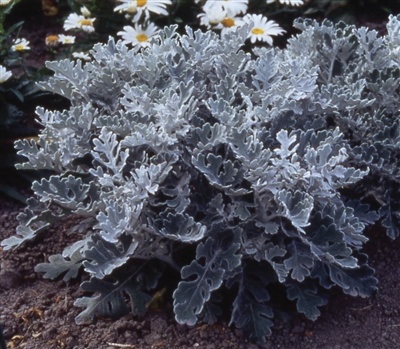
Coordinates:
17	93
108	22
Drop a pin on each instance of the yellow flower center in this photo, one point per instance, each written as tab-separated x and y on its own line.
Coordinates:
141	37
51	40
257	31
18	48
228	22
141	3
85	22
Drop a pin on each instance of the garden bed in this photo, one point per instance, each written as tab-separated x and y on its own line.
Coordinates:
39	313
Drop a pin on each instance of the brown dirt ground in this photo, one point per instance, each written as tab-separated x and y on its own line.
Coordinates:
39	313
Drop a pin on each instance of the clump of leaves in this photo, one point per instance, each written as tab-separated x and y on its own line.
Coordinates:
192	156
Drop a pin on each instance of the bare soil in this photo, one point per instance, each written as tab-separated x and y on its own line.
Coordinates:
39	313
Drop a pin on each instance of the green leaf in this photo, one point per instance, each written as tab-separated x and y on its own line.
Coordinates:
18	94
14	26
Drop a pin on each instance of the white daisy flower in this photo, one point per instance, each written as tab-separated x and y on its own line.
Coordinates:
262	29
20	45
81	55
66	39
228	24
51	40
75	21
288	2
213	14
233	7
85	12
138	7
137	36
4	2
4	74
129	6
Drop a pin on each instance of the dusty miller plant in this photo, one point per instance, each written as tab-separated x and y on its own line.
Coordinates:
239	173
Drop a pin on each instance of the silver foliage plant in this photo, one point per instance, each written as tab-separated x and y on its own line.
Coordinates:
238	173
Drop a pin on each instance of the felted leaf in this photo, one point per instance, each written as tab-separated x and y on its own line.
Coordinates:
216	210
149	177
328	245
212	310
207	137
272	251
32	223
297	208
363	212
70	193
320	271
117	219
190	296
103	256
221	173
266	71
286	143
391	213
110	300
107	151
59	265
179	192
40	154
250	311
68	78
308	299
300	261
182	227
249	149
355	282
219	255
